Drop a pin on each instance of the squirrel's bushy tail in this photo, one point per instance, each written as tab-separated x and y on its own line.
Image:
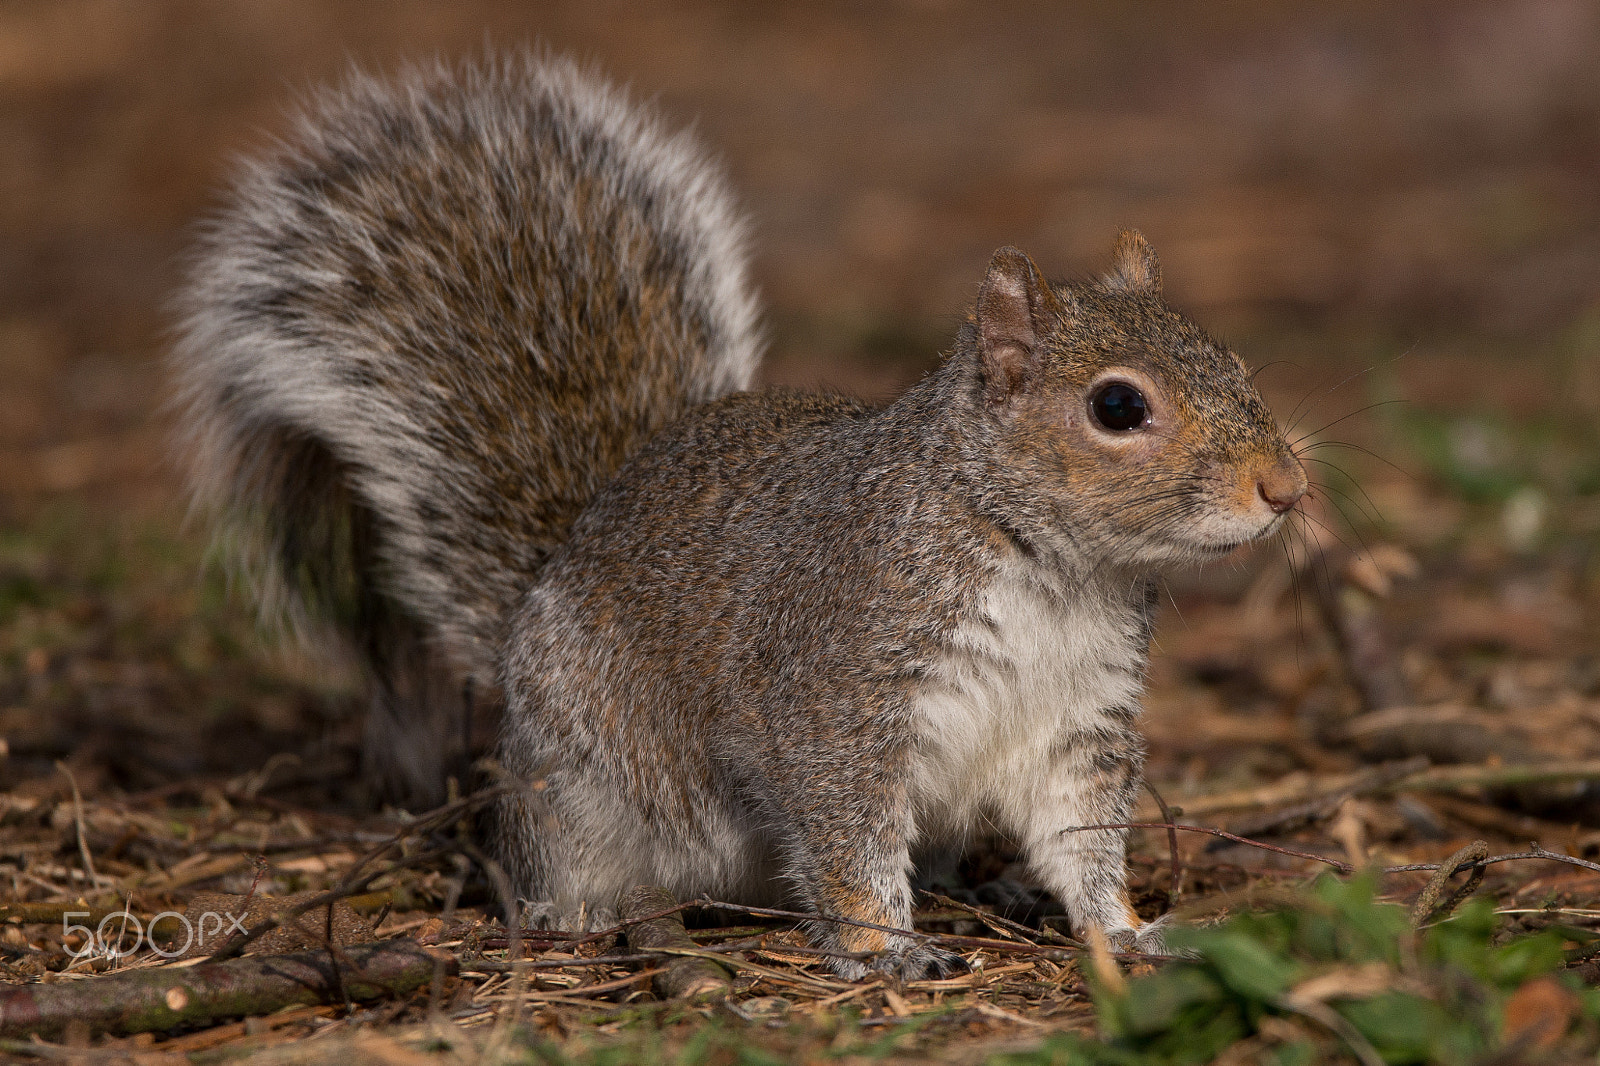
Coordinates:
423	333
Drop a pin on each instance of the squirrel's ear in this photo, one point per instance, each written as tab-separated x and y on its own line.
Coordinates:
1013	295
1134	267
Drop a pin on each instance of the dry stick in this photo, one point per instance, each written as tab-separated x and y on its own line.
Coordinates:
336	953
1536	852
479	964
695	977
722	932
946	939
51	913
1337	1023
1433	779
351	885
1446	778
1539	852
77	818
278	847
1469	858
793	977
508	899
162	998
1169	816
1318	807
612	986
1342	867
998	923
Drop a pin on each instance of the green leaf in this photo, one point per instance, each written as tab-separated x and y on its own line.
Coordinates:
1406	1028
1156	1003
1249	968
1525	958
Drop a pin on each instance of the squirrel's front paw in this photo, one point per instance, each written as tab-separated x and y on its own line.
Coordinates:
1147	939
544	914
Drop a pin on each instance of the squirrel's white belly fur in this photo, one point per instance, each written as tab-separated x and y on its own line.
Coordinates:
1046	660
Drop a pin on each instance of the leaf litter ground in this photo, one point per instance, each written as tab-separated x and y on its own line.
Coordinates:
1387	706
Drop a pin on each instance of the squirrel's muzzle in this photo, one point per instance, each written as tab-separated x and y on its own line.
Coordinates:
1282	485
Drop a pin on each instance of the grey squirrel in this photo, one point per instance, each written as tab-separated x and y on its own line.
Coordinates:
465	364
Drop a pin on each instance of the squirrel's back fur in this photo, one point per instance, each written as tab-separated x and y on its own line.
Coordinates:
421	335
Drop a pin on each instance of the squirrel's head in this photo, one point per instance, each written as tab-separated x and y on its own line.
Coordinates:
1123	430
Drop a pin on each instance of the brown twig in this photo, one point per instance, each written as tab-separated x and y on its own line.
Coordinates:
77	821
942	939
1434	779
1004	926
1318	807
1342	867
1169	815
1470	859
479	964
1537	851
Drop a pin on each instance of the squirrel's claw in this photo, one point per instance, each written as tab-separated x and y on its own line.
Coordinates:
1147	939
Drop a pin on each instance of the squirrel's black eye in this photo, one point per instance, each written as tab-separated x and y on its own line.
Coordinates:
1119	407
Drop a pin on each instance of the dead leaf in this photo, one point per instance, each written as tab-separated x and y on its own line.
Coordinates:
1539	1012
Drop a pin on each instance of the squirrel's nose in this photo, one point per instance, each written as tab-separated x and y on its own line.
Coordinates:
1283	485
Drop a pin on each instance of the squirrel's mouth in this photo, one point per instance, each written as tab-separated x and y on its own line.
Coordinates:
1223	547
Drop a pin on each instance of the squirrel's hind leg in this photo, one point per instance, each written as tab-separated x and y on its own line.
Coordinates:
570	846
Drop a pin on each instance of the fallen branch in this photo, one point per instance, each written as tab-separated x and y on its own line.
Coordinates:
942	939
479	964
1323	806
1448	778
52	913
1433	779
1535	851
998	923
1342	867
166	997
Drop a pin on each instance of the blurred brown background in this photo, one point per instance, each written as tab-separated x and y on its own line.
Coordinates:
1417	179
1405	192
